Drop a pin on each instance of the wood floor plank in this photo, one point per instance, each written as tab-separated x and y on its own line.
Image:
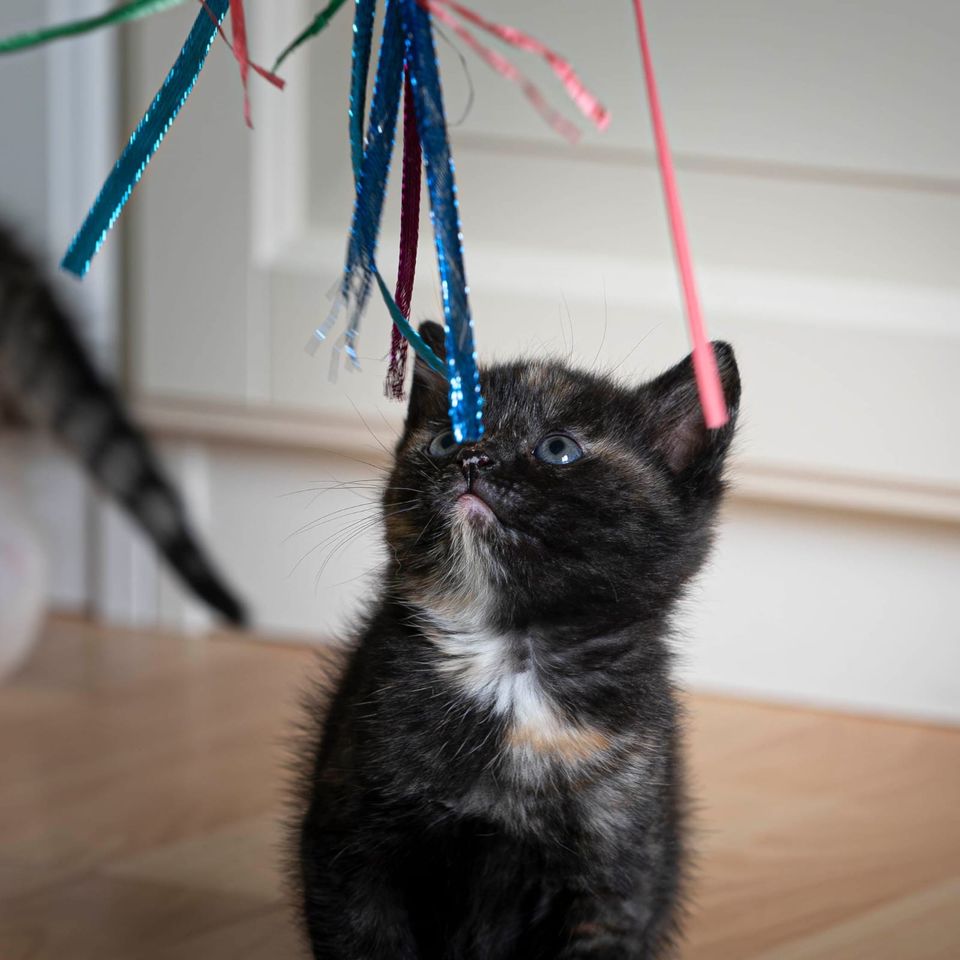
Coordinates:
923	924
142	783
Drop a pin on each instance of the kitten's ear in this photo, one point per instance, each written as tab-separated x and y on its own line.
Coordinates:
673	423
428	388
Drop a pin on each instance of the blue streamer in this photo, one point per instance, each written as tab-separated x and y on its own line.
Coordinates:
466	401
374	173
360	67
145	140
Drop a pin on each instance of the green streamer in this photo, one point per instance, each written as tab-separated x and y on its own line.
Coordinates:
319	23
129	11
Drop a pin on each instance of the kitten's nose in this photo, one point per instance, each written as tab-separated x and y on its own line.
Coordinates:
474	462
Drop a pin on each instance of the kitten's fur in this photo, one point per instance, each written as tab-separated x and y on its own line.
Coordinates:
498	776
48	377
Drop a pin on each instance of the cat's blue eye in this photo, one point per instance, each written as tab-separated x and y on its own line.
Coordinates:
443	444
558	449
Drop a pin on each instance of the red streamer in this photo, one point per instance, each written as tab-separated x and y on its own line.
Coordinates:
409	239
704	361
240	52
586	102
238	26
507	70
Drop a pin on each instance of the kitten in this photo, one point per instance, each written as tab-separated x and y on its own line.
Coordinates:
498	776
47	375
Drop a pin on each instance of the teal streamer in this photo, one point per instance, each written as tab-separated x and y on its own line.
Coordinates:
359	70
145	140
420	346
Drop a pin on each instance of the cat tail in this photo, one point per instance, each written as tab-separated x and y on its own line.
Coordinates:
48	376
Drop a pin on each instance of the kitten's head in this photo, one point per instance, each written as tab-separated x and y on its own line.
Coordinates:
584	498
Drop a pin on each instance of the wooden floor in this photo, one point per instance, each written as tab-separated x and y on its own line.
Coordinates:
141	783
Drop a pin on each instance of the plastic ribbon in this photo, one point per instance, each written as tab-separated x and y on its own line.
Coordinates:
144	141
409	239
507	70
374	173
128	11
319	23
239	50
359	68
585	101
362	43
420	346
238	27
704	361
466	402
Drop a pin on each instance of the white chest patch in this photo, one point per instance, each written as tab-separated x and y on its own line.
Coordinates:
483	664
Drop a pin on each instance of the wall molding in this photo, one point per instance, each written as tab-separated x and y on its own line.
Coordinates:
338	434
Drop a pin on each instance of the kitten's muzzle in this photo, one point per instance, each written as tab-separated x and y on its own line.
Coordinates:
472	463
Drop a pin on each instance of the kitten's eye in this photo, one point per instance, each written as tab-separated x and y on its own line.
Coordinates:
443	444
558	449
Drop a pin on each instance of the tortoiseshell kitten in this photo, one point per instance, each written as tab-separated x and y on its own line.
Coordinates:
498	774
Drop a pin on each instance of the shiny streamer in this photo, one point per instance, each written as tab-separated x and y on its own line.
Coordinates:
238	27
362	45
466	402
240	53
73	28
144	141
409	239
507	70
359	69
374	173
585	101
704	360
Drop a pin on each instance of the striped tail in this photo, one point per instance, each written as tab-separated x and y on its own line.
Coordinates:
47	374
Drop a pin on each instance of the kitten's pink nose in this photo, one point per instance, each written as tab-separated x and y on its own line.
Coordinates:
473	462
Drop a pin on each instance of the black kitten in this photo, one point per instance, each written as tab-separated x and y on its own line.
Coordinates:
498	775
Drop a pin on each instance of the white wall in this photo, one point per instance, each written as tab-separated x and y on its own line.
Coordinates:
820	165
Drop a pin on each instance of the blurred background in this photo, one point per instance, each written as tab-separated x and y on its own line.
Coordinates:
818	155
819	164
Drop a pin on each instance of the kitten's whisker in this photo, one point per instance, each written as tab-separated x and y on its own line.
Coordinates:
566	306
350	532
635	347
330	485
363	420
341	545
603	336
332	536
426	458
433	516
379	467
390	425
351	510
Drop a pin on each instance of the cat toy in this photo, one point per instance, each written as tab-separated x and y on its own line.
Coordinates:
406	71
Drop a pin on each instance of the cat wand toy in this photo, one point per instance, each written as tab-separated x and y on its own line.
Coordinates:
407	69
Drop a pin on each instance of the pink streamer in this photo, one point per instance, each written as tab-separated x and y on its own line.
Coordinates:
704	361
586	102
409	239
507	70
238	26
239	50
